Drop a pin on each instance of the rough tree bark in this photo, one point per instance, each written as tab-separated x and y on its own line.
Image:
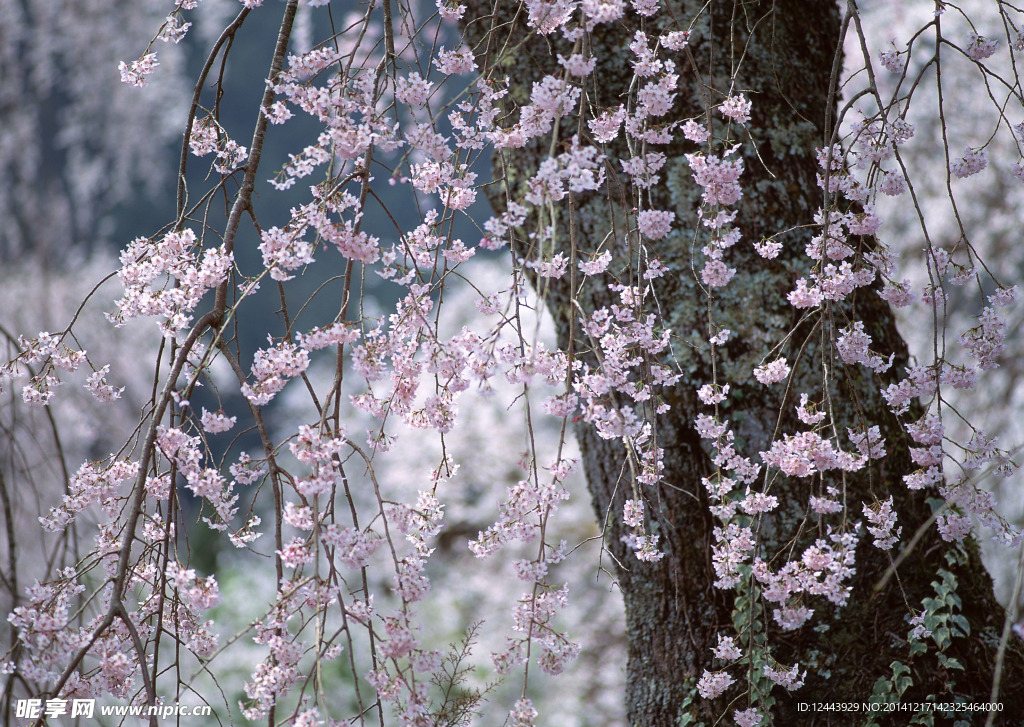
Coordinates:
781	53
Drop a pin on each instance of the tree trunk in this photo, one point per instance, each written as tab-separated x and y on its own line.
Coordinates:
674	613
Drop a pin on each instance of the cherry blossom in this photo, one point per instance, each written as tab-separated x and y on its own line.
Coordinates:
136	72
972	162
711	684
773	372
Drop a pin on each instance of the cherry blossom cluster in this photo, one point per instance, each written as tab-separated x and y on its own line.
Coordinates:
43	624
533	617
272	368
208	136
346	105
837	269
207	483
191	596
175	598
173	30
831	281
409	347
401	677
168	278
579	169
874	143
822	570
883	519
42	359
136	72
981	344
92	484
520	516
274	677
620	396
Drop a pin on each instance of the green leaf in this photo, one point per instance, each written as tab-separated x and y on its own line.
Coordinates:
950	662
900	677
962	624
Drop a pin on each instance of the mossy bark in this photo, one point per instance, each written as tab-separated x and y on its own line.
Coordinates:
781	55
